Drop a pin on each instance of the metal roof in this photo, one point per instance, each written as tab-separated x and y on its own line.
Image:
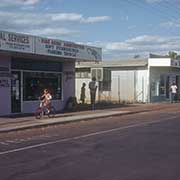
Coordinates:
120	63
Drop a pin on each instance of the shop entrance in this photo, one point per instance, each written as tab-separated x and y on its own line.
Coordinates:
16	92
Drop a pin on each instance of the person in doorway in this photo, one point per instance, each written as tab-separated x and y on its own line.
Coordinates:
46	99
83	93
173	92
93	89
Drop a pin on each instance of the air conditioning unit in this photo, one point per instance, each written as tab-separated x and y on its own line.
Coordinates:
97	73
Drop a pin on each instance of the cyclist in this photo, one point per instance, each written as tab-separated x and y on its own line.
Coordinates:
46	99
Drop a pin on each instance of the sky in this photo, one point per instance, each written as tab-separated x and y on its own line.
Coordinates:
122	28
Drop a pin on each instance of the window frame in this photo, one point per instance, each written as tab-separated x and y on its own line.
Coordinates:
49	72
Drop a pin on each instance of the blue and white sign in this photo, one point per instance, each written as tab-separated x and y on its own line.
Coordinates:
16	42
49	47
67	49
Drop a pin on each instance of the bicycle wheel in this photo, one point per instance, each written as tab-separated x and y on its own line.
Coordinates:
52	112
38	113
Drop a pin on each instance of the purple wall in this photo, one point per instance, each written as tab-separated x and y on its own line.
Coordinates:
68	85
5	87
68	80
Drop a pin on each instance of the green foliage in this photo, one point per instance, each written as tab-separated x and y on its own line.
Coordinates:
172	54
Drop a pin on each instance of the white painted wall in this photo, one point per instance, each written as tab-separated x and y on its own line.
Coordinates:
159	62
142	86
79	82
130	86
123	86
126	85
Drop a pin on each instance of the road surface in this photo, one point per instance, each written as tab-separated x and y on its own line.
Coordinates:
143	146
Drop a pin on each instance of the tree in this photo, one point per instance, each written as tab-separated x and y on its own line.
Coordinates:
172	54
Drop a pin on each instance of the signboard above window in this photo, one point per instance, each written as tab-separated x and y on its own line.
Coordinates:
49	47
16	42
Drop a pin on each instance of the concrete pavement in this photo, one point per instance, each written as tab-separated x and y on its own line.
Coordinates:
15	124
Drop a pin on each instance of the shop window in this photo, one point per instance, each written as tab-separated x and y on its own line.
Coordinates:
162	87
35	65
155	88
35	83
97	73
105	85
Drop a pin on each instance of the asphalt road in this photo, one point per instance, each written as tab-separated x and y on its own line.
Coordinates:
142	146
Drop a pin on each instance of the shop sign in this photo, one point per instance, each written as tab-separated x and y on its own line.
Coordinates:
50	47
59	48
16	42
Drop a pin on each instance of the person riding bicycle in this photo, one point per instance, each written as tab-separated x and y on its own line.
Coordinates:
46	99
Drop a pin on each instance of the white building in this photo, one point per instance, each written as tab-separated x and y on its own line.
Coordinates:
145	80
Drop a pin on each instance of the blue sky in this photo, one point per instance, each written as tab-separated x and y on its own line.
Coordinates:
123	28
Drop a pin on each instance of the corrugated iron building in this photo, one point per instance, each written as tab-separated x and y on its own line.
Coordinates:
136	80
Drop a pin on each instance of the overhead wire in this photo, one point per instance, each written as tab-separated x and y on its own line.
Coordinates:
157	11
154	12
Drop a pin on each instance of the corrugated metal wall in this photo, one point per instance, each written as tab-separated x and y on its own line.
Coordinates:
123	86
127	86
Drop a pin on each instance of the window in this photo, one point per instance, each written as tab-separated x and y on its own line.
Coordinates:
82	75
97	73
35	83
162	87
105	85
35	65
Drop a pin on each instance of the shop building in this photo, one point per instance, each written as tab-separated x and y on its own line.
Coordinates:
132	80
29	64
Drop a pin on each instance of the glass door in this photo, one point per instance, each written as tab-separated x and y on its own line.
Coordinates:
167	86
16	92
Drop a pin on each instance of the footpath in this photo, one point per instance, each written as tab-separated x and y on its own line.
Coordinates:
9	124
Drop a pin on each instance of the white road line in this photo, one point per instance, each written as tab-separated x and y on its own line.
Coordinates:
4	143
9	141
84	136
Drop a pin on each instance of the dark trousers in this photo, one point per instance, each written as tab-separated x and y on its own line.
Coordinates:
93	98
173	97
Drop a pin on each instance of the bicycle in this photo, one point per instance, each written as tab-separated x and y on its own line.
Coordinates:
43	110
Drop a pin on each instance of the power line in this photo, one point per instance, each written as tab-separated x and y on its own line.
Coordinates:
149	9
169	6
158	11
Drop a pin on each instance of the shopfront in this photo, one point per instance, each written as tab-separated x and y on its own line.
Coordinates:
30	64
162	73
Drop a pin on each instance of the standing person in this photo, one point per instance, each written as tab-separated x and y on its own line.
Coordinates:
83	93
173	92
93	88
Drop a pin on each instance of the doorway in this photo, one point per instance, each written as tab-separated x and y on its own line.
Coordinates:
16	92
